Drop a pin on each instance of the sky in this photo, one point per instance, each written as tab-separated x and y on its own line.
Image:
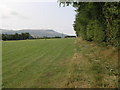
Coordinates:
21	14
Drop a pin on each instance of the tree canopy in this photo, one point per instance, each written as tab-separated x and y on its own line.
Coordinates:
16	36
96	21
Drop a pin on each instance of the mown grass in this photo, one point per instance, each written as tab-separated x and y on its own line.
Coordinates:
93	66
36	63
59	63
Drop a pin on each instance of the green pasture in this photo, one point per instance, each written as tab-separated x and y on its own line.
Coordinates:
58	63
36	63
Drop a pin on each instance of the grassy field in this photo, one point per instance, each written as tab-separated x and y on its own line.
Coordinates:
93	66
58	63
36	63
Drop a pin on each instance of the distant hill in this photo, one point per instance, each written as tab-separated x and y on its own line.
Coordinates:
35	32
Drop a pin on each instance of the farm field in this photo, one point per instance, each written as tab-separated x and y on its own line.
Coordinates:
59	63
36	63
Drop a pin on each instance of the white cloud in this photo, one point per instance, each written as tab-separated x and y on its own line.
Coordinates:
6	12
28	1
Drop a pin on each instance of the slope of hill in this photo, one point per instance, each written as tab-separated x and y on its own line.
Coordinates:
36	32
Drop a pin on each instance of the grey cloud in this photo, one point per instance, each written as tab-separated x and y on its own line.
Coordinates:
4	17
18	15
14	13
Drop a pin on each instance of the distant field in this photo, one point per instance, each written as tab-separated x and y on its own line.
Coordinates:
59	63
36	63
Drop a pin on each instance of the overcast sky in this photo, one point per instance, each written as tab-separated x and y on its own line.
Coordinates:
36	15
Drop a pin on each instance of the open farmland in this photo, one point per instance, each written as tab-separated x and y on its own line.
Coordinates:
36	63
59	63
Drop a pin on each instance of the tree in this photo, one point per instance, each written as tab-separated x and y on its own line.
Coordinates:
16	36
96	21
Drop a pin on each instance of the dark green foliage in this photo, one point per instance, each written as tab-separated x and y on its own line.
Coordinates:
70	36
89	23
16	36
97	21
111	11
98	31
90	33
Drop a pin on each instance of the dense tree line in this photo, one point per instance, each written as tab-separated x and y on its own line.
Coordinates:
16	36
97	21
70	36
